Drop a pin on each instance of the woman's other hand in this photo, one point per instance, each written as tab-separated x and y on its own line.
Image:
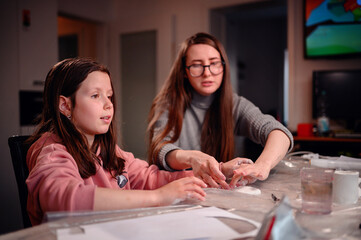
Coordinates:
249	173
204	166
276	147
229	169
180	190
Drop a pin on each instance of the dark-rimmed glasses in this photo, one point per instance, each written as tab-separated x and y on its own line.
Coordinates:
197	70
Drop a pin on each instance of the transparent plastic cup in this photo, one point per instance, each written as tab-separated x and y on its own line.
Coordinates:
316	190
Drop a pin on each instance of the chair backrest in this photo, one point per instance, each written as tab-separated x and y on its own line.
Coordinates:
18	150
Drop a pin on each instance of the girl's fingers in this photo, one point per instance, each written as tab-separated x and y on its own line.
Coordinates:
199	190
195	195
195	188
199	183
189	181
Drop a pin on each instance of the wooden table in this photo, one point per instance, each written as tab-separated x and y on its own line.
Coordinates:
284	180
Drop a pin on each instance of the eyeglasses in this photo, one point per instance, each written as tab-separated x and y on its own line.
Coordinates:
197	70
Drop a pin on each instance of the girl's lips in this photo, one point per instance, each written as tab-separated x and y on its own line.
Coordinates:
106	118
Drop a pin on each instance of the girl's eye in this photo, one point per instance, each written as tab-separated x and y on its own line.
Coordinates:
95	96
110	97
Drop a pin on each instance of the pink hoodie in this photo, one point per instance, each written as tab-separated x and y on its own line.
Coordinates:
54	182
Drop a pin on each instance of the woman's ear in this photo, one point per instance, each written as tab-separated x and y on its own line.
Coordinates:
65	106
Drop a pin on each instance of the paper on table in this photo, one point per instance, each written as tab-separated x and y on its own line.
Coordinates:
191	224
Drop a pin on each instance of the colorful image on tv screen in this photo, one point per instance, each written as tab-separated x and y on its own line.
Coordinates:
332	27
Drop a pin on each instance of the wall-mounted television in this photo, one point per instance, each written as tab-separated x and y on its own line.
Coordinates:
343	96
332	28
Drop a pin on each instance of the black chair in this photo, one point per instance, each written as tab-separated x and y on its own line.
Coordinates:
18	150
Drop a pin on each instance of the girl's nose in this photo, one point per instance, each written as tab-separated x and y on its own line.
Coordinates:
108	103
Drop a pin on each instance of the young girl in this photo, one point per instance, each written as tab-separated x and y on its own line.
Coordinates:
194	118
74	162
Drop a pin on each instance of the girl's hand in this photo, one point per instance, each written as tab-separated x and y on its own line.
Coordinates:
181	189
249	173
205	167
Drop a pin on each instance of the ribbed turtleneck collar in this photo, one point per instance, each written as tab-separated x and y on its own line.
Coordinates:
201	101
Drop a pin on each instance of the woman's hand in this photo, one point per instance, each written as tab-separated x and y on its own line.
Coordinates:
181	189
229	169
249	173
275	149
204	166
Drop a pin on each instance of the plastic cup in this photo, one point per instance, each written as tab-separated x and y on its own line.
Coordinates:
316	190
346	188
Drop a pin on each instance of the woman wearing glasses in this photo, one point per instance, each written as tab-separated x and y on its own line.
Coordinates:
195	117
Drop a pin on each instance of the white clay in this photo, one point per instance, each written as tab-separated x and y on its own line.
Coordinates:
248	190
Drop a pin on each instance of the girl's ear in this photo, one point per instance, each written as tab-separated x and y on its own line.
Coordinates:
65	106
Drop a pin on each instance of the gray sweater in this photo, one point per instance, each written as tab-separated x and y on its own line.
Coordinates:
249	122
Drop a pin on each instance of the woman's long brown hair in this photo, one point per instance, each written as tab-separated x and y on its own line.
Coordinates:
65	79
217	137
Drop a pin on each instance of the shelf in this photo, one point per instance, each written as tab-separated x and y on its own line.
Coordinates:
329	146
326	139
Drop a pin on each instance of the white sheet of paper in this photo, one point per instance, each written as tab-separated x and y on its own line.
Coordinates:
191	224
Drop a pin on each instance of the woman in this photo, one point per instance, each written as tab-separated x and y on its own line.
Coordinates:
195	117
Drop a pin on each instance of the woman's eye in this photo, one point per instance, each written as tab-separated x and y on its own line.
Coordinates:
110	97
95	96
197	65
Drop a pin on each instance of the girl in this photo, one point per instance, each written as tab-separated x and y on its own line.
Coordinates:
74	162
195	116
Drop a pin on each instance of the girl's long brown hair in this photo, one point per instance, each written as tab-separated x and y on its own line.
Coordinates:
65	79
217	137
